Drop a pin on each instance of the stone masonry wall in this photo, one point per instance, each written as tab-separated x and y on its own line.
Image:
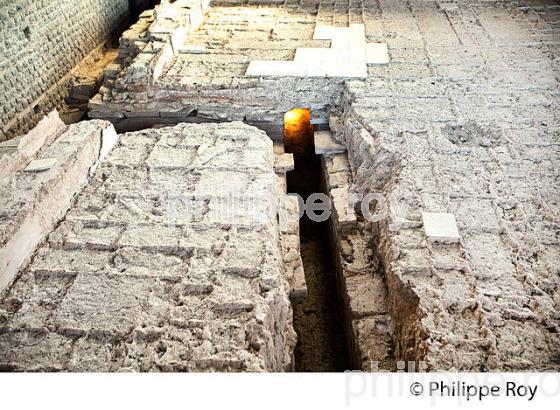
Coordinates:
159	266
40	42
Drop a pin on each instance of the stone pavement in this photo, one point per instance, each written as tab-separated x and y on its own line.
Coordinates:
158	266
465	120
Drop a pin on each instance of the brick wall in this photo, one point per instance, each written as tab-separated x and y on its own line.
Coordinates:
40	41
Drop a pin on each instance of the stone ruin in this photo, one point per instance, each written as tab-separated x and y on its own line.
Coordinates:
449	139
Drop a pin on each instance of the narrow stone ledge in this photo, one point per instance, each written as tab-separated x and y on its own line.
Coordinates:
35	201
283	163
289	237
29	145
363	289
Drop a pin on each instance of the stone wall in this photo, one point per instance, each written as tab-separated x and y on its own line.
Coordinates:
40	42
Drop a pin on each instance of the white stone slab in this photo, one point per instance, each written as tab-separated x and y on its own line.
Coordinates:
377	54
306	54
325	143
323	33
348	70
342	38
39	165
328	55
318	68
440	227
347	57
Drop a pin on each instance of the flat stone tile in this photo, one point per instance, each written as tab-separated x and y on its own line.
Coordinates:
323	33
325	143
440	227
377	54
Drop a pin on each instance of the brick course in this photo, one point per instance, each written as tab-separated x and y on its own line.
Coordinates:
40	42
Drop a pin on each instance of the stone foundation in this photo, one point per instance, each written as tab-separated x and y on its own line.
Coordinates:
158	266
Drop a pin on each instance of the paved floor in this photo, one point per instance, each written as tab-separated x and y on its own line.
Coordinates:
465	119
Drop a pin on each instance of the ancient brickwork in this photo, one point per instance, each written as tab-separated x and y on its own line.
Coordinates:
170	260
40	42
465	120
210	84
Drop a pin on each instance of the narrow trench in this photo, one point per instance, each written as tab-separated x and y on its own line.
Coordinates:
318	319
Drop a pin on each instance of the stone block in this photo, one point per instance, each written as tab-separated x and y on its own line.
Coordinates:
325	143
283	163
367	295
323	32
104	306
377	54
39	165
440	227
32	351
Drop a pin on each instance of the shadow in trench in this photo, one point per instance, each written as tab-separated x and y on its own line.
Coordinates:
318	319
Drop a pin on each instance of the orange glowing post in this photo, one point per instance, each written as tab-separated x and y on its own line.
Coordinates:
298	133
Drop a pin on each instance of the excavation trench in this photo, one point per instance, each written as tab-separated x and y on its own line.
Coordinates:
318	318
325	336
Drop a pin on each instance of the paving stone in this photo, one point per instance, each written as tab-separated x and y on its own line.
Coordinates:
377	54
440	227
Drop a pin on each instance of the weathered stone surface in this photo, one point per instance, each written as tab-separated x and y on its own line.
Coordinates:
34	199
41	44
109	291
455	124
463	120
365	299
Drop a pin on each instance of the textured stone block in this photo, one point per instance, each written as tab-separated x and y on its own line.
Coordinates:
283	163
47	194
